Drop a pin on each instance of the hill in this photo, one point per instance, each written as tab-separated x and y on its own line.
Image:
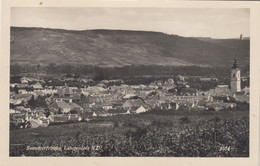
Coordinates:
121	48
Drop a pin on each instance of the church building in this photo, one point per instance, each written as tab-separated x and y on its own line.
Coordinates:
235	83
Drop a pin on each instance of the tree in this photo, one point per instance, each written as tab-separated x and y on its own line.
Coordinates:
184	120
73	111
40	102
15	89
31	102
47	112
59	111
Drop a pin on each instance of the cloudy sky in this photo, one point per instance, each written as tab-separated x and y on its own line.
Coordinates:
194	22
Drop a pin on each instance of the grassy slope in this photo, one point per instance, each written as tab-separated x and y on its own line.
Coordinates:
119	48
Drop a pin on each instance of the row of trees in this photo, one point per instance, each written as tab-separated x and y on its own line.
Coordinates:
100	73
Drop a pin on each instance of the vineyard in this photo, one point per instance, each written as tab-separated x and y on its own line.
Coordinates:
169	134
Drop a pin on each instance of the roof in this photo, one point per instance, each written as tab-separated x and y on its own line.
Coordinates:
240	93
18	115
21	108
242	98
39	93
134	108
37	86
15	102
68	90
60	104
74	105
73	117
127	96
184	91
60	118
133	102
215	104
117	111
222	86
202	103
94	89
24	96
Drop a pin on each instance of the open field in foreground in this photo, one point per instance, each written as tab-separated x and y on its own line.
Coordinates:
175	134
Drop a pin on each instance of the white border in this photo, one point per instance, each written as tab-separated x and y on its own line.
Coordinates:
254	86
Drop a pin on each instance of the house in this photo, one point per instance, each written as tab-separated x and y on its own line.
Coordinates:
216	105
169	84
64	118
15	102
107	106
23	109
187	92
100	112
117	111
22	97
129	96
75	106
230	105
37	86
24	80
69	92
74	117
241	97
133	102
208	79
152	103
39	113
38	93
12	111
60	105
17	118
60	118
222	90
34	123
138	109
22	91
21	86
169	106
65	92
223	99
94	89
201	103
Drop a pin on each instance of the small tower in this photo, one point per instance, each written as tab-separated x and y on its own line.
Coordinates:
241	36
235	83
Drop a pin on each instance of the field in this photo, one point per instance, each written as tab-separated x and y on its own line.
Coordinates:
164	133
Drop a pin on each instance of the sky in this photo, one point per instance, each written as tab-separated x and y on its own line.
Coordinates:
188	22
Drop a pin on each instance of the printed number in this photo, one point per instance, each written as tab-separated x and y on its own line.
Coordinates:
96	147
224	148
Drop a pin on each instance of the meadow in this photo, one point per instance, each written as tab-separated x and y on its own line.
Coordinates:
155	133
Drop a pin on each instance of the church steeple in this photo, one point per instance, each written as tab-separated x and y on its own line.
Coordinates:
235	82
235	65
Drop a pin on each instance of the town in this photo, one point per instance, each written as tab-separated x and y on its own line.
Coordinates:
35	104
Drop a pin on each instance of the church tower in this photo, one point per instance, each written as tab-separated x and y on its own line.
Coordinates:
235	83
241	36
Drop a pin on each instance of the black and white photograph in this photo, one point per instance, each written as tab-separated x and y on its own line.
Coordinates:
129	82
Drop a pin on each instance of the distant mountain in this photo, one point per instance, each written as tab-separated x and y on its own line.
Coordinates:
121	47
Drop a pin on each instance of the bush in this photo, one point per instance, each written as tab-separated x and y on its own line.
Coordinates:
184	120
116	124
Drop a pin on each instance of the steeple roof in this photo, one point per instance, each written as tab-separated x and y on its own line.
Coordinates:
235	65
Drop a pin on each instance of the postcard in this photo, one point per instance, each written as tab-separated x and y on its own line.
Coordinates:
130	82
